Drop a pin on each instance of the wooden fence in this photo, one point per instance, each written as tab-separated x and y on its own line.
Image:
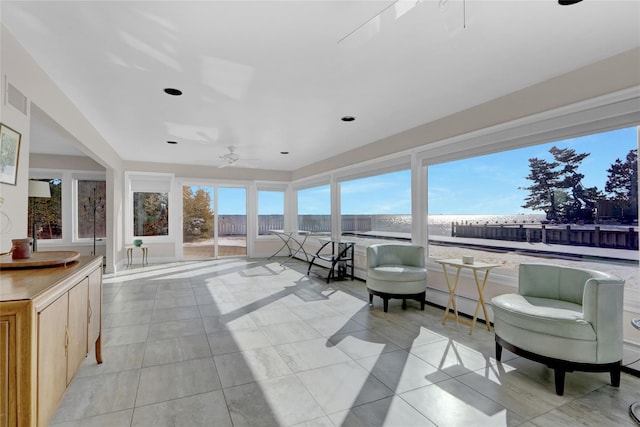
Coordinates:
236	225
559	235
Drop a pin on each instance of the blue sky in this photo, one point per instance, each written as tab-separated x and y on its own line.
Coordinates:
232	201
489	184
480	185
383	194
270	203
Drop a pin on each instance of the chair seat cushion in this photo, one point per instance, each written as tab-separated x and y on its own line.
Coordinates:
398	273
543	315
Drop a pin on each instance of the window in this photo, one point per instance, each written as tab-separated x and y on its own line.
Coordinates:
91	214
150	214
270	211
377	206
546	201
314	209
149	198
45	213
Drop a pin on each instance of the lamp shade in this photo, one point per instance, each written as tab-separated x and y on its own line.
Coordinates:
39	189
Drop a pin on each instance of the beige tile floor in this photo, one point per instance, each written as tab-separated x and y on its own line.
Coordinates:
237	342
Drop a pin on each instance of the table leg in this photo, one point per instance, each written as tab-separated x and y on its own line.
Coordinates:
285	245
317	255
98	349
129	256
480	300
288	245
452	291
301	248
343	259
145	256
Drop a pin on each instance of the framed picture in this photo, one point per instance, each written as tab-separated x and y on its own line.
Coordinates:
9	152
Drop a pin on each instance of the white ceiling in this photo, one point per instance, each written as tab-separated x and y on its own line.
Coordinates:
272	76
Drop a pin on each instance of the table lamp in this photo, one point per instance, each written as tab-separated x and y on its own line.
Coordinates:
37	189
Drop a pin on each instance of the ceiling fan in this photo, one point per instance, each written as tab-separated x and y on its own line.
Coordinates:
230	158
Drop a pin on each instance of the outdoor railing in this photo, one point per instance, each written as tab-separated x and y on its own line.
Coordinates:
236	225
561	235
595	236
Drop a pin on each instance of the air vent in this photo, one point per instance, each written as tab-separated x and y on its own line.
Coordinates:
16	99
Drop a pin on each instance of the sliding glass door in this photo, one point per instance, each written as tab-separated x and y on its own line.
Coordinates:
214	221
198	213
232	221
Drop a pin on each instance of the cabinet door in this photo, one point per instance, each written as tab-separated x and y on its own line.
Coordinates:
95	305
77	327
52	358
7	371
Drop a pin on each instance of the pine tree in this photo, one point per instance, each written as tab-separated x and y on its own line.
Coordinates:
582	202
557	187
622	183
542	193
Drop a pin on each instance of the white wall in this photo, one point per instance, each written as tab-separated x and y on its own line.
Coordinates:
19	69
14	208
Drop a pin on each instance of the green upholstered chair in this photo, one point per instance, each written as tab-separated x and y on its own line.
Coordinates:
396	271
567	318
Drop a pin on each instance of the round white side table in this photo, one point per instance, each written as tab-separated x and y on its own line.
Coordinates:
634	409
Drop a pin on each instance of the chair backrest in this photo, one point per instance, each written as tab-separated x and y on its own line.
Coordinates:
395	254
555	281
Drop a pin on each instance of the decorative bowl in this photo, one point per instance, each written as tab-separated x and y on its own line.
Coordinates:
137	242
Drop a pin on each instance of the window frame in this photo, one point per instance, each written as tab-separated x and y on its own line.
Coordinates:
65	215
139	182
69	203
307	185
281	188
610	112
163	200
399	165
77	177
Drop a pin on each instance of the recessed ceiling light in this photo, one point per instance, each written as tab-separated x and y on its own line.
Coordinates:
172	142
284	152
348	118
172	91
568	2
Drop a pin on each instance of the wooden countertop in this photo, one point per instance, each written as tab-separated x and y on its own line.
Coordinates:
30	283
40	259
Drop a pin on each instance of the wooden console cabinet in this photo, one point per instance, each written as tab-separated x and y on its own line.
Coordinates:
48	319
